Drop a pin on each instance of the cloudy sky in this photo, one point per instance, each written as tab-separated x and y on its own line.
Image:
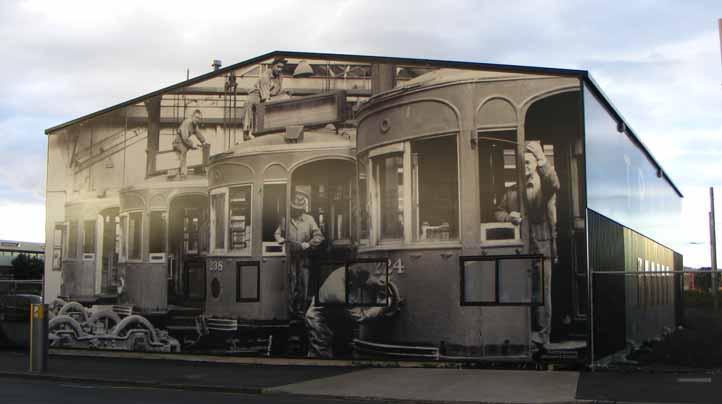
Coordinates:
658	61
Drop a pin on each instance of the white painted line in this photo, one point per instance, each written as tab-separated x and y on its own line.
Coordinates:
694	380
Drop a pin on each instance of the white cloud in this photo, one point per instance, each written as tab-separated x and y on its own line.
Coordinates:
22	222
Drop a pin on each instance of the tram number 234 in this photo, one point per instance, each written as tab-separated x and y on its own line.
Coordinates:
397	266
215	266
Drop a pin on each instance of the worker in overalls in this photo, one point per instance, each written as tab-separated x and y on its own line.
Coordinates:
182	142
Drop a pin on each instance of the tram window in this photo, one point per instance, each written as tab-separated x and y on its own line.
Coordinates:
58	245
520	281
274	211
135	233
436	185
218	209
389	173
89	237
122	235
498	172
239	218
191	230
274	216
363	211
73	240
479	282
340	201
158	221
248	278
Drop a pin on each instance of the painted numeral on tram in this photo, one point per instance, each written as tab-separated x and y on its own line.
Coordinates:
215	266
398	265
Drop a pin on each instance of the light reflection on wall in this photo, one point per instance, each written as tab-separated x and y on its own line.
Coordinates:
622	183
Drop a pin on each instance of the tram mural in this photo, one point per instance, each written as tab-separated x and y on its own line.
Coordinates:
326	208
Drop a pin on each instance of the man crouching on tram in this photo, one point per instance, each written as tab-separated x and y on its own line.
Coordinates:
300	234
331	322
542	185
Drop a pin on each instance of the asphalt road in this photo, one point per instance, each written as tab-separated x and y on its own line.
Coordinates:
15	391
660	388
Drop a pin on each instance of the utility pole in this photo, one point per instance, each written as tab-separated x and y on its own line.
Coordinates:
713	250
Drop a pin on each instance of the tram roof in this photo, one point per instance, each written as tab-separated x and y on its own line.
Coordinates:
276	143
583	75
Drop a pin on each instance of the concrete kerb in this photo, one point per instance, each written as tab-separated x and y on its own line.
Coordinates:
247	360
268	392
128	382
247	390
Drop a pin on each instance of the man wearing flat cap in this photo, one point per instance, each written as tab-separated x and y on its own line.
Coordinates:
300	234
268	85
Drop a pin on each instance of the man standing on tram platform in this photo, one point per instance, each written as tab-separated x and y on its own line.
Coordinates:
542	185
300	234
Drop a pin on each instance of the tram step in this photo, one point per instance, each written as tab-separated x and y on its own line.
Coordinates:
181	318
180	327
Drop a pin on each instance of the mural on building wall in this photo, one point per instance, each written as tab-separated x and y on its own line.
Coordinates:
327	209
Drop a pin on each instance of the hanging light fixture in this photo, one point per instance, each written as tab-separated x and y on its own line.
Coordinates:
303	69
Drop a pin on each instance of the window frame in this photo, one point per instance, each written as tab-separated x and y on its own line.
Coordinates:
264	243
226	251
72	253
93	241
122	231
363	211
62	248
497	258
158	257
374	158
411	210
213	249
126	236
257	265
494	134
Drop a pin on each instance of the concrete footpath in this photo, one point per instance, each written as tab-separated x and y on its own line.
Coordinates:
345	379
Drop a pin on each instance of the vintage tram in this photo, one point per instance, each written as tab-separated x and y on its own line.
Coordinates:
90	263
250	188
436	158
161	225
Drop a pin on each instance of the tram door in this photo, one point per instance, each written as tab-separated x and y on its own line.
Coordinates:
554	122
109	250
187	239
327	185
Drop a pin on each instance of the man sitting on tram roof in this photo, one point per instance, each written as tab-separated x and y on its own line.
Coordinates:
269	85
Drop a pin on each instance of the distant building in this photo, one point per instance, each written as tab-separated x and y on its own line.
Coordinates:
9	250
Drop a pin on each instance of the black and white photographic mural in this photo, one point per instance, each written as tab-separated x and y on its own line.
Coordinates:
327	209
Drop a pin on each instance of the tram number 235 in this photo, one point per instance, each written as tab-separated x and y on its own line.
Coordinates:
215	266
